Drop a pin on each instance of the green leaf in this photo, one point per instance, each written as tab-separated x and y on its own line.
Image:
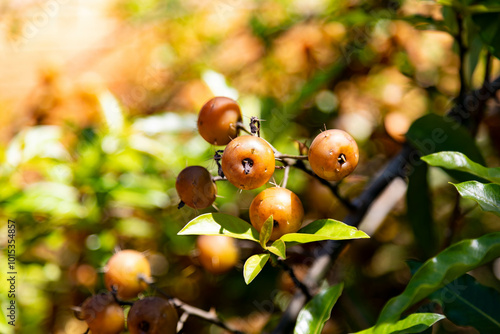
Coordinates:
432	133
278	248
414	323
442	269
489	31
459	161
419	211
266	231
323	229
316	312
218	223
465	302
253	266
487	195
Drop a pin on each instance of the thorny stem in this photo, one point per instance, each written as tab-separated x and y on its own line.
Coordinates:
209	316
295	280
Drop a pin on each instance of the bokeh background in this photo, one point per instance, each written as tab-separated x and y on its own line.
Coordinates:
98	108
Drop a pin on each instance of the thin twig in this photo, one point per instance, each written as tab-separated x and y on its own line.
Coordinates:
285	176
281	156
218	178
299	164
241	126
295	280
209	316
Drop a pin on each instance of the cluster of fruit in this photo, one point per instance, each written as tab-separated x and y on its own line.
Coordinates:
127	274
248	162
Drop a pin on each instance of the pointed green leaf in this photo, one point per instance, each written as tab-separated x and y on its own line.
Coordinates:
459	161
218	223
442	269
266	231
316	312
414	323
323	229
278	248
465	302
487	195
253	266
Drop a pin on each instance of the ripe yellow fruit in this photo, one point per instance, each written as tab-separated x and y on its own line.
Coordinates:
217	253
123	273
285	207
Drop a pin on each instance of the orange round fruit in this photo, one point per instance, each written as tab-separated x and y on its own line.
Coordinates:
217	120
123	272
217	253
152	315
285	207
103	315
248	162
333	155
196	187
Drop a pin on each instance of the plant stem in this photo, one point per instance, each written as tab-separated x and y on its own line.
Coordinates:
209	316
295	280
333	188
462	50
281	156
241	126
285	176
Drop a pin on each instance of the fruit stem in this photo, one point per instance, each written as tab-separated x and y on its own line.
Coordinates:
241	126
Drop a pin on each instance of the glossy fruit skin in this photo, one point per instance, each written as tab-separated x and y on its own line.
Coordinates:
333	155
103	315
217	253
217	120
196	187
255	150
152	315
285	207
122	273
